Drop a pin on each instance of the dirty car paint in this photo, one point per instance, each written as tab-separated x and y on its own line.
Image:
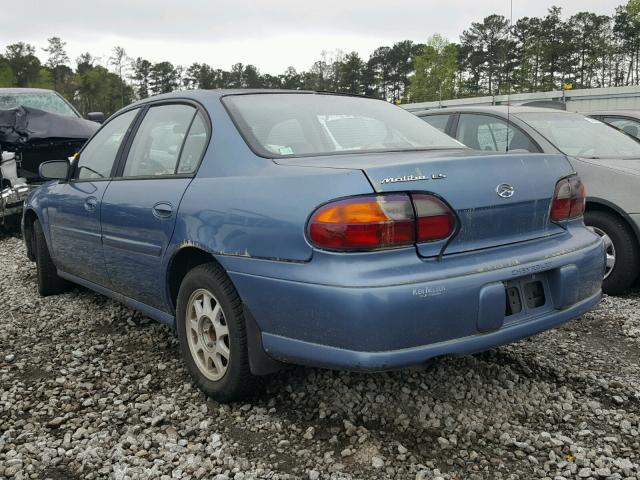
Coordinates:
361	310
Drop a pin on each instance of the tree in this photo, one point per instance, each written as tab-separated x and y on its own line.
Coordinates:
435	71
527	54
320	75
590	34
120	61
23	62
141	76
291	79
627	31
488	52
252	77
163	78
379	73
350	74
45	79
7	78
401	61
57	63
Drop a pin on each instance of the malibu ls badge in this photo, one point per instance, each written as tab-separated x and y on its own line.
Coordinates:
413	178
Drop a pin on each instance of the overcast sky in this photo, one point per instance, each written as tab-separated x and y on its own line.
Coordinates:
269	34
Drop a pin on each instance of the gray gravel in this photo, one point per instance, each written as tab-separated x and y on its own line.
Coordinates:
91	389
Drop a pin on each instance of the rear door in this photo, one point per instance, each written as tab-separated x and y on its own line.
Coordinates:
140	206
440	121
74	210
630	126
492	134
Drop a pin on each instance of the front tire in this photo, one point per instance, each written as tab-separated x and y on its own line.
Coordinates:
49	283
212	333
623	257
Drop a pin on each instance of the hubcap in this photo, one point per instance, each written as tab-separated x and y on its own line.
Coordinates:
610	249
208	334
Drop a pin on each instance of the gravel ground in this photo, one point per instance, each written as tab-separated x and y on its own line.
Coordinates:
91	389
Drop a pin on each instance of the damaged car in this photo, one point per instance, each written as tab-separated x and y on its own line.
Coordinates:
273	227
35	126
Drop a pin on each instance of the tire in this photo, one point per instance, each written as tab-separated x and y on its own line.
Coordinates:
623	245
49	283
205	332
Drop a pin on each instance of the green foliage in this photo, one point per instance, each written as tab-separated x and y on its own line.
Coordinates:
23	63
7	78
436	69
492	57
44	79
163	78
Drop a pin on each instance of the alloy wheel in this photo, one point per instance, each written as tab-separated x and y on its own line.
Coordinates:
208	334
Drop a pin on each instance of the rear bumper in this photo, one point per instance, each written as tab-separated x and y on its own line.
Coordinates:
391	310
295	351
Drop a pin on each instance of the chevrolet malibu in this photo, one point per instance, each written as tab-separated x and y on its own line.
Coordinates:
273	227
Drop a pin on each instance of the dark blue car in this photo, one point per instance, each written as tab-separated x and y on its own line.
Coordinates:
315	229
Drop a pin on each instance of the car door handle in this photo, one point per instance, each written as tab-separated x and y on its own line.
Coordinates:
90	204
162	210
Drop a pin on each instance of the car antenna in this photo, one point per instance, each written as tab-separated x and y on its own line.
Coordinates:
509	77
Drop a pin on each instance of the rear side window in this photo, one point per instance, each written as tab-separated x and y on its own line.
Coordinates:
194	146
491	134
627	125
156	148
98	156
437	121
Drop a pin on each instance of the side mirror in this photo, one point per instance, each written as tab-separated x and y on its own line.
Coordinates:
97	117
54	170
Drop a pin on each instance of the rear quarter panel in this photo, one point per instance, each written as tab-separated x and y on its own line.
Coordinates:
263	215
619	188
242	205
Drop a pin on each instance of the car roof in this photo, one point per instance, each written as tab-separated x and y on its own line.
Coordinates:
25	90
502	110
202	94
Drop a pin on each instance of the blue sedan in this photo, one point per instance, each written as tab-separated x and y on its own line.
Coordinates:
273	227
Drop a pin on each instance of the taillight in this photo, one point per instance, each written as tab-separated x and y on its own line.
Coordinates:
568	199
379	222
435	220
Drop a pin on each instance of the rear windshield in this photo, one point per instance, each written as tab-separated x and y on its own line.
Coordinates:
580	136
293	125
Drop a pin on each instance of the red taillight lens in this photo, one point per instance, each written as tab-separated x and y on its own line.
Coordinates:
364	223
568	199
435	220
380	221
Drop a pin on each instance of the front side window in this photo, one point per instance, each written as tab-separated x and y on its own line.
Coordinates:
491	134
156	147
437	121
580	136
97	158
291	125
627	125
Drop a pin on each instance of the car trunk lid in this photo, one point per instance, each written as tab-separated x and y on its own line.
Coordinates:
469	183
